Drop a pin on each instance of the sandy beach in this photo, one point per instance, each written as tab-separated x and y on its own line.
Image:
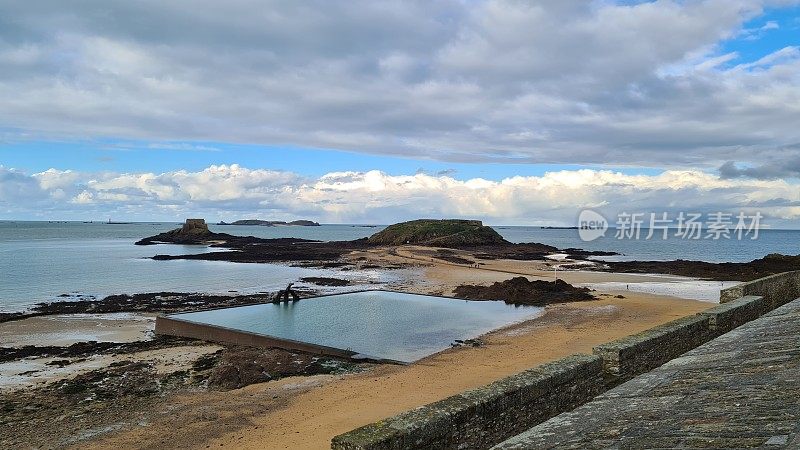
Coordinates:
66	329
307	412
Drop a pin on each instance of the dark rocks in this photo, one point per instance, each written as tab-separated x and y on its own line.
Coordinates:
326	281
193	231
8	317
758	268
449	256
64	413
521	291
523	252
467	343
89	348
255	250
60	363
241	366
149	302
123	378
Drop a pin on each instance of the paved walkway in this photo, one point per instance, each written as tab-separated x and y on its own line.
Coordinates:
741	390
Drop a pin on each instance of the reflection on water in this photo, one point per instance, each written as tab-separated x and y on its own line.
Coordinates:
389	325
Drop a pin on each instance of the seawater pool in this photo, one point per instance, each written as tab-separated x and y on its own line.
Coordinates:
378	324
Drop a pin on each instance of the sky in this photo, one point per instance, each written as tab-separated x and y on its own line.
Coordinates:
513	112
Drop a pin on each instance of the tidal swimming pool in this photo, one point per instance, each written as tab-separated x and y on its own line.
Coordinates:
378	324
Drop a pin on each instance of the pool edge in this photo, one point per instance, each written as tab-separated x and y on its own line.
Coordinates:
168	324
171	326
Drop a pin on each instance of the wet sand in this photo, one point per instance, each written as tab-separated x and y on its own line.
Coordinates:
66	329
442	277
317	408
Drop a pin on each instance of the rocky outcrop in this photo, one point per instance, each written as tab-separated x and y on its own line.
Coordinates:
193	231
303	223
521	291
326	281
453	233
727	271
272	223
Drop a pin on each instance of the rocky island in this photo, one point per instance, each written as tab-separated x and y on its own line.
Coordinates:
438	233
193	232
272	223
474	241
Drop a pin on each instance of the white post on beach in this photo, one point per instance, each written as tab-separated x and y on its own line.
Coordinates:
555	272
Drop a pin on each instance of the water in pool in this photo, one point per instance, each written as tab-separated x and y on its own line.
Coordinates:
380	324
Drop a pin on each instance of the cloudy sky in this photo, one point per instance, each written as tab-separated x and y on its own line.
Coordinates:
515	112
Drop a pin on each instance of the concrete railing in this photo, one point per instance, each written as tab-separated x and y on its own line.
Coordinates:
727	316
483	417
642	352
777	289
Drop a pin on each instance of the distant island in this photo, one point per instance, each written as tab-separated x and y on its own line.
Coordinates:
438	233
272	223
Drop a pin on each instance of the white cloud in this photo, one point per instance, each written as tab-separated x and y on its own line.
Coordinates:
84	198
230	192
574	81
789	54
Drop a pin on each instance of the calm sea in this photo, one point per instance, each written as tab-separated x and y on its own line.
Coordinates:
41	260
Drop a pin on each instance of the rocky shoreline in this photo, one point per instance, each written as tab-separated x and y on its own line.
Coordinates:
469	237
727	271
154	302
473	238
89	348
127	392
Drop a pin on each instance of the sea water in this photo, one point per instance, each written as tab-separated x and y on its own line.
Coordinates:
41	260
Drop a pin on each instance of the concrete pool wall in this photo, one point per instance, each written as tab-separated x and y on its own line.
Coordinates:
171	326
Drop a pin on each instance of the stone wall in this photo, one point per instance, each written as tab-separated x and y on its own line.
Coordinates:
482	417
639	353
727	316
776	289
194	226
